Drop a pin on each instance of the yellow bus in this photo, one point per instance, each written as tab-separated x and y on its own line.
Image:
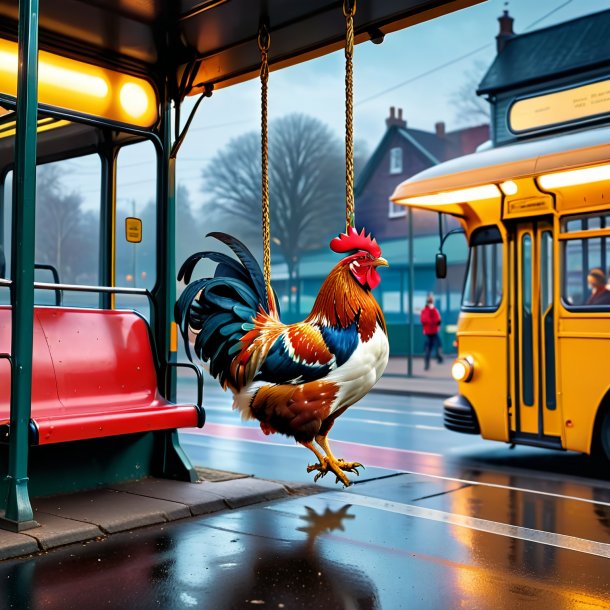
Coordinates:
533	362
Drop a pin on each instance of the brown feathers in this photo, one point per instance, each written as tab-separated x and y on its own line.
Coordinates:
294	410
342	300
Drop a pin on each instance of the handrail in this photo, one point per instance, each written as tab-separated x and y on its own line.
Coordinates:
83	288
199	374
55	274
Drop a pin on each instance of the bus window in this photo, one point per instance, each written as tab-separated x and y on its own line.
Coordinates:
546	270
483	287
580	257
586	262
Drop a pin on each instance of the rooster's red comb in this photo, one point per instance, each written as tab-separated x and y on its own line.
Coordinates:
352	240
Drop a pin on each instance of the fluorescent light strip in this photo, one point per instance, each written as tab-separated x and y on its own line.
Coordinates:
475	193
574	177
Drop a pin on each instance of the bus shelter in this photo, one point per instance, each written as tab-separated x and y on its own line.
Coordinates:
80	77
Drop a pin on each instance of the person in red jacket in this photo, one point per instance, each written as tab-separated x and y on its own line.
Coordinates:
431	325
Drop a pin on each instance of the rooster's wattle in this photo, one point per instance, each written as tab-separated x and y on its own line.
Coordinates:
295	379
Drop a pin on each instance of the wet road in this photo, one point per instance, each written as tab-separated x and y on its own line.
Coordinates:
438	520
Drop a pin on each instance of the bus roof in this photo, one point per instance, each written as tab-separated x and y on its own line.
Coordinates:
220	36
510	162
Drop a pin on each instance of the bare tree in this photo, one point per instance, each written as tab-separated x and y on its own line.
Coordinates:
66	236
471	109
307	185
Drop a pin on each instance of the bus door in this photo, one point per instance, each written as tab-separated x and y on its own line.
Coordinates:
534	414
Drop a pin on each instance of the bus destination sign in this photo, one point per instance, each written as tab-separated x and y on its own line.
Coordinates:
574	105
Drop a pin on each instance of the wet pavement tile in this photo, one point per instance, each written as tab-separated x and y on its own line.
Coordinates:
112	511
317	552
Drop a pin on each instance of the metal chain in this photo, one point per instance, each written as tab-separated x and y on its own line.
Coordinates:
349	10
263	45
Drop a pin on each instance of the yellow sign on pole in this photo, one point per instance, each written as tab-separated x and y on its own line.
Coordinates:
133	230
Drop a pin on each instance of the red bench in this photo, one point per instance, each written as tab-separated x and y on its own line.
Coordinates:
94	374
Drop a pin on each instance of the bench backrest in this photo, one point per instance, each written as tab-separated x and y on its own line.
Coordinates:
44	389
85	358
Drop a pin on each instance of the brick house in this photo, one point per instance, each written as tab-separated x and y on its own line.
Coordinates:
401	153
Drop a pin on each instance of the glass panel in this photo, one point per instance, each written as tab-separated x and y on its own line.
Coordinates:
585	272
526	320
395	160
67	227
136	197
5	296
546	306
586	222
546	270
483	288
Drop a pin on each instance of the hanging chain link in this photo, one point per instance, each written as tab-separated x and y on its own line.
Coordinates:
263	44
349	10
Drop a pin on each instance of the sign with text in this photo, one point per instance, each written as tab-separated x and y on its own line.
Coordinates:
133	230
561	107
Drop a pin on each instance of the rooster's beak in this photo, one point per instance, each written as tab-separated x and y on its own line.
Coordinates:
380	262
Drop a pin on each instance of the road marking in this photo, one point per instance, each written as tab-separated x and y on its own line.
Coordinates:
563	541
509	487
219	406
374	455
404	411
254	435
390	424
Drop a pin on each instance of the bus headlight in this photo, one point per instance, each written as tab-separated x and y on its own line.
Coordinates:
463	369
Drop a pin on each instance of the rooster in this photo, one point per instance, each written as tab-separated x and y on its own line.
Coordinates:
295	379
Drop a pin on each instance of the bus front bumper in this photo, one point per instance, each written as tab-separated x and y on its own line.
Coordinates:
459	416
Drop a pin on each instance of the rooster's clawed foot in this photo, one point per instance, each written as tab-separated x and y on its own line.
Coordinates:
338	467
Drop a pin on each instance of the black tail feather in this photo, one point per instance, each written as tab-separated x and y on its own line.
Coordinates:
220	310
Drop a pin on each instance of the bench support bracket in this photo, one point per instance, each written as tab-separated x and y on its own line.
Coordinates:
171	460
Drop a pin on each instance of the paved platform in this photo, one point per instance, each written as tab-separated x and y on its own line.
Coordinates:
407	541
96	514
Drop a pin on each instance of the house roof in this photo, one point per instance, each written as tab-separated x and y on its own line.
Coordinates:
434	148
559	50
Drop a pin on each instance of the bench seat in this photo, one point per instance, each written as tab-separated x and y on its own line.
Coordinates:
93	375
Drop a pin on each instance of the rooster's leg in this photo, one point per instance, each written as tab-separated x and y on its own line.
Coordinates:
325	465
320	457
330	463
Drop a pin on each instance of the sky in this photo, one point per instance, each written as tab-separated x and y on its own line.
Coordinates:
316	87
418	69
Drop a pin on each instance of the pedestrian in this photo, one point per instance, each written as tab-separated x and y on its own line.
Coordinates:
431	324
600	295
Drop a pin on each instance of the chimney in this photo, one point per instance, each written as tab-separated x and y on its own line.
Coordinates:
395	118
439	128
506	31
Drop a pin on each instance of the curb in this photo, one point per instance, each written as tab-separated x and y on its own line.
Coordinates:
97	514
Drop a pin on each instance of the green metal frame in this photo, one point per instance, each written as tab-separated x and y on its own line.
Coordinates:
162	451
18	514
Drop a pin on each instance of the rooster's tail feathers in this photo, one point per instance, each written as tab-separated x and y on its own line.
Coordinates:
221	310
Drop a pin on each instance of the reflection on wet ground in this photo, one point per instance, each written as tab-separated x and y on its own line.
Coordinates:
396	542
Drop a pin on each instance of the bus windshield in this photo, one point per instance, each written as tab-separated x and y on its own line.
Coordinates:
483	287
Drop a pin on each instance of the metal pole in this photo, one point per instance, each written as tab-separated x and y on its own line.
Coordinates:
164	291
171	459
135	253
411	291
107	225
18	512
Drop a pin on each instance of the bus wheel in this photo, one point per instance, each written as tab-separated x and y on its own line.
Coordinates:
604	436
